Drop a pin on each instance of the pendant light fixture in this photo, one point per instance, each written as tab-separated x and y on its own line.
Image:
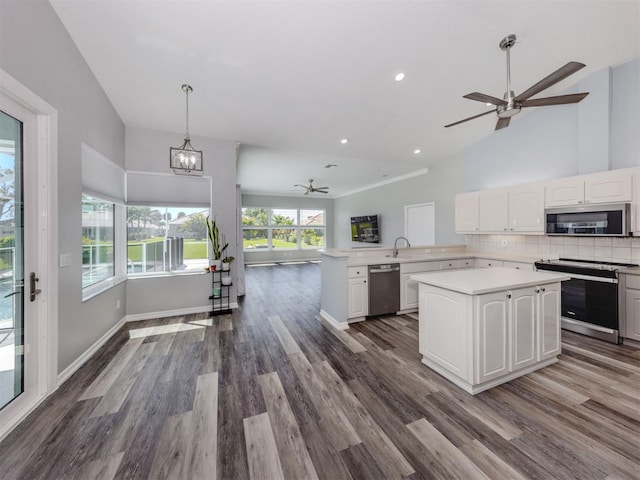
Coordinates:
185	160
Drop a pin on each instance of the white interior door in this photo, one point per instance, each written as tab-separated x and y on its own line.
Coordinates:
419	224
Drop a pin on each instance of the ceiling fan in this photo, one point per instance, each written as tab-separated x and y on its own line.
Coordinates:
311	189
511	105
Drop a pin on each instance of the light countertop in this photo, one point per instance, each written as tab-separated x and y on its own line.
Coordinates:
487	280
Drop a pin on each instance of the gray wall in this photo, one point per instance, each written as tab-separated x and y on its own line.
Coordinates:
148	150
290	202
600	133
36	50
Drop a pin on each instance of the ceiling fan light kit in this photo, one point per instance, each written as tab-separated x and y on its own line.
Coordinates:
511	104
311	189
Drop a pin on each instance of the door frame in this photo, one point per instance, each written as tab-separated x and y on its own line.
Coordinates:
45	200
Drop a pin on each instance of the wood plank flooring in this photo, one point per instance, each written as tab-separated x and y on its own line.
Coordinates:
270	392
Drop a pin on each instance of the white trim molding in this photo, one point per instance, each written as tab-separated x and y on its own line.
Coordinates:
136	317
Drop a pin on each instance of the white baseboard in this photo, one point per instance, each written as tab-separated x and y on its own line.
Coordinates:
136	317
78	362
332	321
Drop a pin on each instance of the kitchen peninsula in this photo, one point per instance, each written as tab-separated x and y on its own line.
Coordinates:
483	327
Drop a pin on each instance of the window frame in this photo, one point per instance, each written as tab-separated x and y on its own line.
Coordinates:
170	272
297	227
118	276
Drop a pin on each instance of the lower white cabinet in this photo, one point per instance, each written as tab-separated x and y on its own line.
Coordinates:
480	341
408	287
358	295
549	343
632	307
485	262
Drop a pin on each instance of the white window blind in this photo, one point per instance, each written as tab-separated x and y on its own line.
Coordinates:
102	177
160	189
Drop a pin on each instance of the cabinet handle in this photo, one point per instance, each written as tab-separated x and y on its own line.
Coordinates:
508	295
537	290
505	229
476	228
543	289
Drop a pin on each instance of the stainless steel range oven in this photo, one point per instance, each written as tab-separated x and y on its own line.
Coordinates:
589	301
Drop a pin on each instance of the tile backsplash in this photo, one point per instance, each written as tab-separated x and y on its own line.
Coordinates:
608	249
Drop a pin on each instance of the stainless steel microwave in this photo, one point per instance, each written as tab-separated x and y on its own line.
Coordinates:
612	219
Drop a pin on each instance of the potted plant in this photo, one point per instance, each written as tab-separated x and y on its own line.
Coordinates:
217	241
226	263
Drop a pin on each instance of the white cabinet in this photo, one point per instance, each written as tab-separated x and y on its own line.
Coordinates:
566	191
492	324
631	306
408	287
526	209
480	341
506	326
518	265
605	187
494	208
358	292
449	264
467	211
485	263
548	321
466	263
609	187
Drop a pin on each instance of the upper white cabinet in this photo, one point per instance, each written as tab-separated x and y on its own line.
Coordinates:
516	210
494	210
567	191
526	209
605	187
608	187
467	212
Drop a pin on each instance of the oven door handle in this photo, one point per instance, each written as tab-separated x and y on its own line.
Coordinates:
592	279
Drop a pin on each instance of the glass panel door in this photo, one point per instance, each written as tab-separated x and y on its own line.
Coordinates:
12	378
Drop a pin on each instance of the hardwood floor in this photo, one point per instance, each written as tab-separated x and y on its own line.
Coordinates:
270	392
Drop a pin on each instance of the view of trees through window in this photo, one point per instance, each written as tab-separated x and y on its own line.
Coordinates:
166	238
282	229
97	240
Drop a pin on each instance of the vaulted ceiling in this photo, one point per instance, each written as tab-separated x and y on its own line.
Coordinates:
289	79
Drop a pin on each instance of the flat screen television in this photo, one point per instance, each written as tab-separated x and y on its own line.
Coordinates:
365	229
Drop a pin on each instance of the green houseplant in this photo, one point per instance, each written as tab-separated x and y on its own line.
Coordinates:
218	246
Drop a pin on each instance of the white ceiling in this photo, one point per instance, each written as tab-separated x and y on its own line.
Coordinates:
288	79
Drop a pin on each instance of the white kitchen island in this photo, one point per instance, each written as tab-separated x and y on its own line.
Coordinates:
480	328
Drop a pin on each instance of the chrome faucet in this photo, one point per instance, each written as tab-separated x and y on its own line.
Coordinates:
395	245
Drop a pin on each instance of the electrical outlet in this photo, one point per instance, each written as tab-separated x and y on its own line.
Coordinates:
504	242
118	304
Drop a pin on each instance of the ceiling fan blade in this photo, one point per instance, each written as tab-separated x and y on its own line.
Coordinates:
503	123
481	97
559	100
470	118
560	74
321	188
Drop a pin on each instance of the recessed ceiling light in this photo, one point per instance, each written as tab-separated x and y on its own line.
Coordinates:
489	104
399	77
417	151
344	140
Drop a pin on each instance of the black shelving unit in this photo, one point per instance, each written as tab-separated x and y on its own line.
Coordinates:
219	293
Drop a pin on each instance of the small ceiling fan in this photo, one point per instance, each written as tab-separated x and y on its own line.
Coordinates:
311	189
511	105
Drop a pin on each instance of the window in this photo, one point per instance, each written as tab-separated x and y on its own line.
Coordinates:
282	228
97	240
166	239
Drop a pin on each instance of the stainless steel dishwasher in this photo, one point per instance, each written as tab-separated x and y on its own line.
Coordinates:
384	288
